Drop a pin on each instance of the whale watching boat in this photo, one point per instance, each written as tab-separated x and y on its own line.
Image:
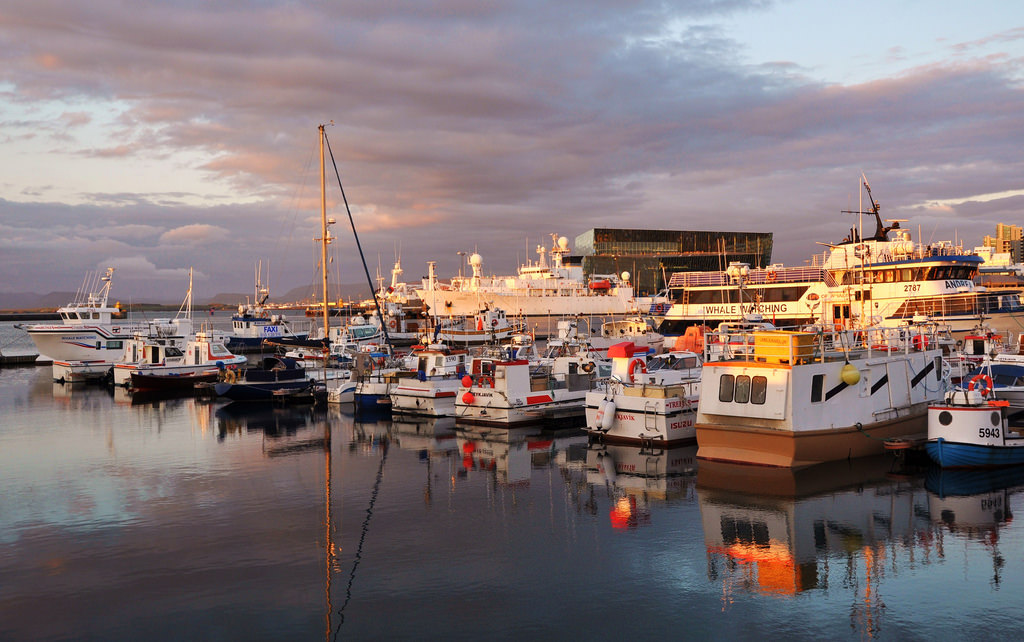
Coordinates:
883	278
87	331
537	290
799	398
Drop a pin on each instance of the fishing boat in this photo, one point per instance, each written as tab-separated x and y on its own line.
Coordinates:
646	401
500	392
539	289
487	325
882	278
274	379
203	359
254	323
795	398
162	339
636	329
431	391
971	428
153	357
87	331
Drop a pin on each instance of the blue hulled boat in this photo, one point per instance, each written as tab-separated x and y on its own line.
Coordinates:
972	430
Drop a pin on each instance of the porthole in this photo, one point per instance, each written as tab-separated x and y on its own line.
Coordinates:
996	419
945	417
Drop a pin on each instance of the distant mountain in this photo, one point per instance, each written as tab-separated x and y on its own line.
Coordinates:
31	301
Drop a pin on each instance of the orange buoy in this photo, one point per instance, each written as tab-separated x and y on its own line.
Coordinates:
468	398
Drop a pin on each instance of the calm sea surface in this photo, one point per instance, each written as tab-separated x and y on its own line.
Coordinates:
123	518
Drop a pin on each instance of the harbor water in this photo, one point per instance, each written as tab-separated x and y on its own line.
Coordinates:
129	518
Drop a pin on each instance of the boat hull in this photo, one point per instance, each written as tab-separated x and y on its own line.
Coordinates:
261	391
643	420
81	371
973	436
768	447
171	382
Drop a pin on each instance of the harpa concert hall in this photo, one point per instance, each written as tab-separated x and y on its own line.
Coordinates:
651	256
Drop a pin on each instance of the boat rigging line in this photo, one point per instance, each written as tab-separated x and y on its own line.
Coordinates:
362	537
359	246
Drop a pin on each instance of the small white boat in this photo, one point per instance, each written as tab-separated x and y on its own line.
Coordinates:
646	401
501	392
432	388
639	330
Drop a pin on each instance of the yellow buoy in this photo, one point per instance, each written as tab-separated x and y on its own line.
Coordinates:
849	374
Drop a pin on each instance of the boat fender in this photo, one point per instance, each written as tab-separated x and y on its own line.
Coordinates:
984	379
467	381
600	413
230	377
468	398
634	365
609	416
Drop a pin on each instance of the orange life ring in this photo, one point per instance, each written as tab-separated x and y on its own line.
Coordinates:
984	378
770	277
393	324
920	342
485	381
634	365
494	323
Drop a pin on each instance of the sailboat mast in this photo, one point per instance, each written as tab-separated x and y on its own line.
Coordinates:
323	231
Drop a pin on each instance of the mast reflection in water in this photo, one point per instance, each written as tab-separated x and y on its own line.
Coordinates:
182	519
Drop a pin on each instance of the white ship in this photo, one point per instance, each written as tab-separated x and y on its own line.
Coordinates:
87	330
537	290
859	281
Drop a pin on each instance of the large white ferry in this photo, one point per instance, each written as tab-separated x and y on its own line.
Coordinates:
539	289
861	281
87	330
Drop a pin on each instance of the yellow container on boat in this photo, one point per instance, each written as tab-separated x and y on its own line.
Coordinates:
784	346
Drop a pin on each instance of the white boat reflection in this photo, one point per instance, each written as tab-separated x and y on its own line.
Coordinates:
639	477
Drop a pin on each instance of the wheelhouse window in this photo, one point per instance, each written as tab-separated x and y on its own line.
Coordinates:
758	390
742	394
725	388
817	387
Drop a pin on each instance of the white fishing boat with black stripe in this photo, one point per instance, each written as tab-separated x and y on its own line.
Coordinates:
799	398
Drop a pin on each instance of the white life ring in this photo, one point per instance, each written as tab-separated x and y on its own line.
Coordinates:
494	323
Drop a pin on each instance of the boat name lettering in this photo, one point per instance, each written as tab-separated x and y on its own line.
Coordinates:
271	329
955	284
734	309
625	467
675	403
675	425
78	337
990	503
622	417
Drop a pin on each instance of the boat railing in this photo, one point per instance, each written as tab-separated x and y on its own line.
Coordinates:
822	342
765	276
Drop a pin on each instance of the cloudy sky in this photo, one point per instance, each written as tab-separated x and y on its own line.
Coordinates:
154	136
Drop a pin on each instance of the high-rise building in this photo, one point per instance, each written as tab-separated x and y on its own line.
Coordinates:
1008	238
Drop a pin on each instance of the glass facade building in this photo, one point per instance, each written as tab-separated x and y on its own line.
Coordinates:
651	256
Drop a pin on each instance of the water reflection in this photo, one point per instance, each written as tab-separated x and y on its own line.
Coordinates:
975	505
782	532
510	454
634	478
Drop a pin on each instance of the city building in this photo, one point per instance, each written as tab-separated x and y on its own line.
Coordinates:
1008	239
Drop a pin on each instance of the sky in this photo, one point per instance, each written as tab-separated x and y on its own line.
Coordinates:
158	136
